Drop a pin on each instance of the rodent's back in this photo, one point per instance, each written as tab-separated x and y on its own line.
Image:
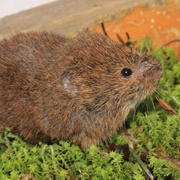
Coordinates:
53	88
28	66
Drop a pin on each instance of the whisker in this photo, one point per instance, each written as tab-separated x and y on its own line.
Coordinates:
134	114
157	92
147	106
152	102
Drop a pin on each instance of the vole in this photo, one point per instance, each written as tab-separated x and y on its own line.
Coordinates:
77	89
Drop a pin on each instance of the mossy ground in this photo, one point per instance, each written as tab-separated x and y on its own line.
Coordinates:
156	152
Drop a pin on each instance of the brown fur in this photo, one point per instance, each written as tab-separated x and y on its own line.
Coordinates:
53	88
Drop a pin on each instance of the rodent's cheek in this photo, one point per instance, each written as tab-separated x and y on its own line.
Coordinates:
138	75
152	79
147	81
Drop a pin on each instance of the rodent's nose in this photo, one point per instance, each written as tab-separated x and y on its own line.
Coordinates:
159	70
150	72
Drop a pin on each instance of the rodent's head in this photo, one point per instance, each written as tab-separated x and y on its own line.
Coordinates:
107	74
141	73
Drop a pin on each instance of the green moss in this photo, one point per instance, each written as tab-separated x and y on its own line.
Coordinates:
159	136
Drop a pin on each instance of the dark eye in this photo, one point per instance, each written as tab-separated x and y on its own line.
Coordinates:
126	72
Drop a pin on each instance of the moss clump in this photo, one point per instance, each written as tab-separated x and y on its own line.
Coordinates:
158	142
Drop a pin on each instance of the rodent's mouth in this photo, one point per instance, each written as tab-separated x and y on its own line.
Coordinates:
148	82
152	79
157	73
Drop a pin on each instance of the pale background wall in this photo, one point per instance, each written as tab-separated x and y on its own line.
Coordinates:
65	17
8	7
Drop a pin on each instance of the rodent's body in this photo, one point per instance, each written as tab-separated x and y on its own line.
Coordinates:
53	88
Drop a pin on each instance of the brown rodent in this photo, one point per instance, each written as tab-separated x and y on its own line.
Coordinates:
79	90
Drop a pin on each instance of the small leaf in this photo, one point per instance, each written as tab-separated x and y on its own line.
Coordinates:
138	130
166	106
